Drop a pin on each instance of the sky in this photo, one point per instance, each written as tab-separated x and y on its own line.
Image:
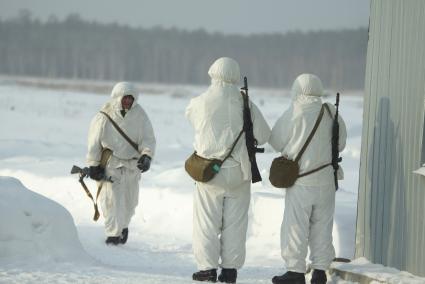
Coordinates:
224	16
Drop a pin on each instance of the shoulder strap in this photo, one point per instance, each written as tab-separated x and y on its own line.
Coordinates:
316	125
233	146
133	144
308	140
328	110
315	170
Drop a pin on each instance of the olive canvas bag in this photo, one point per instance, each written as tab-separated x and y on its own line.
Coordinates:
202	169
284	172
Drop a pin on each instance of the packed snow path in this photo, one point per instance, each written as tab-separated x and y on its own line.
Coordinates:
44	133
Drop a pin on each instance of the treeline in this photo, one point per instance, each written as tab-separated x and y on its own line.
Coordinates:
74	48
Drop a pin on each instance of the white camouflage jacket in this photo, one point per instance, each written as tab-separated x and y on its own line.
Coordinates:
135	124
217	118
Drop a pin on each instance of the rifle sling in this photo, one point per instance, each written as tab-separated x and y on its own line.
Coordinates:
99	188
133	144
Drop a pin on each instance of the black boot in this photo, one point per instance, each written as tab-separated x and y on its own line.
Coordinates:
112	241
228	275
205	275
124	236
318	277
289	278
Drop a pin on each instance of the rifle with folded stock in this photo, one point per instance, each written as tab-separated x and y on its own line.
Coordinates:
85	172
336	159
251	142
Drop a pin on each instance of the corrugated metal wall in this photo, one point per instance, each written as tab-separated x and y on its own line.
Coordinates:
391	205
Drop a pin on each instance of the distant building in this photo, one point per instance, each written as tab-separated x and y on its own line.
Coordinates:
391	204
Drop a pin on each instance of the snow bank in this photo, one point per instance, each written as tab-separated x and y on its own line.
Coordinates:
34	228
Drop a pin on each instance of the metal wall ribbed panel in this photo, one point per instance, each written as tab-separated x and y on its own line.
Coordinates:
391	203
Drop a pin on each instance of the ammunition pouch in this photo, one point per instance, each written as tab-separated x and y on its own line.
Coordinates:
202	169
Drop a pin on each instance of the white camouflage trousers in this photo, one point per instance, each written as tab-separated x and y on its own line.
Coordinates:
119	199
220	220
308	222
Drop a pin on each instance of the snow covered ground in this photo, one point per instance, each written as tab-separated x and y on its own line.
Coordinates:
43	133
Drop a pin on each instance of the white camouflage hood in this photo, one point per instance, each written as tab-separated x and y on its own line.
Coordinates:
120	90
226	70
307	88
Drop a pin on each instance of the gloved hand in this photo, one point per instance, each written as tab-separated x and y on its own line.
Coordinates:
144	163
96	173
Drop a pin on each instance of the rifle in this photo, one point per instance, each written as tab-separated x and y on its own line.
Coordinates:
85	172
336	159
251	142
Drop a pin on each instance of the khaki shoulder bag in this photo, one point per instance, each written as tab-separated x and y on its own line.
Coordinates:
202	169
285	172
